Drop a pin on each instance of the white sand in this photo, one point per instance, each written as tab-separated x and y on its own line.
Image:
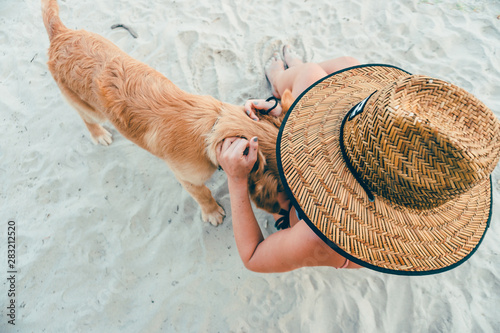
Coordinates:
108	241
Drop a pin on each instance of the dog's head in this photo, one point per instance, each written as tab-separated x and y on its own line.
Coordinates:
264	181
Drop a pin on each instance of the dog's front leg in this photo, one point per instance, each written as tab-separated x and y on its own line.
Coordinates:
210	209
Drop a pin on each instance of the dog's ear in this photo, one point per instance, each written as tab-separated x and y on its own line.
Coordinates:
286	101
263	186
260	164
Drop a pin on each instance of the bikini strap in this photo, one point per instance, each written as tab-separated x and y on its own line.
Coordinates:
284	221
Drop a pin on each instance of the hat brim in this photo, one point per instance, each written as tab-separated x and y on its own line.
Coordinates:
378	235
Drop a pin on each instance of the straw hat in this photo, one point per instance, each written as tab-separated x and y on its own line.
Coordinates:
392	170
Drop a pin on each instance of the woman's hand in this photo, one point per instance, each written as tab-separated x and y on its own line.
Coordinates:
252	106
237	157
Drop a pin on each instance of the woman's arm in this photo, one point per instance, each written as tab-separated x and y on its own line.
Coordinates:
247	233
237	165
282	251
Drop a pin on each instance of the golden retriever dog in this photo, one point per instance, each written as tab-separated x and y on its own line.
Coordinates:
103	83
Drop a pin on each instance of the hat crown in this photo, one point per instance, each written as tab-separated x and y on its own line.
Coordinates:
420	142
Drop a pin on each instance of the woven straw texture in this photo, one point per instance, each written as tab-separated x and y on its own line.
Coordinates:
421	142
380	233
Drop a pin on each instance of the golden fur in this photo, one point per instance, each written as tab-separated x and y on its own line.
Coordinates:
103	83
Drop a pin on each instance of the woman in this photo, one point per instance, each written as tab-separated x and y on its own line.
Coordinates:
298	245
363	191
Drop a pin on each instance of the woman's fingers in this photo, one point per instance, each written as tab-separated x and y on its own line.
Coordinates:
237	155
253	106
252	151
230	148
250	109
276	112
223	145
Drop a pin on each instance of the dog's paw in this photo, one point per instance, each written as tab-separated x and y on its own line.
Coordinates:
102	136
215	217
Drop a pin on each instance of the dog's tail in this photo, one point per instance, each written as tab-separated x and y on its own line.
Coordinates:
50	13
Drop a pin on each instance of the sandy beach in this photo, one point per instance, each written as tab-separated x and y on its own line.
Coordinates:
107	240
